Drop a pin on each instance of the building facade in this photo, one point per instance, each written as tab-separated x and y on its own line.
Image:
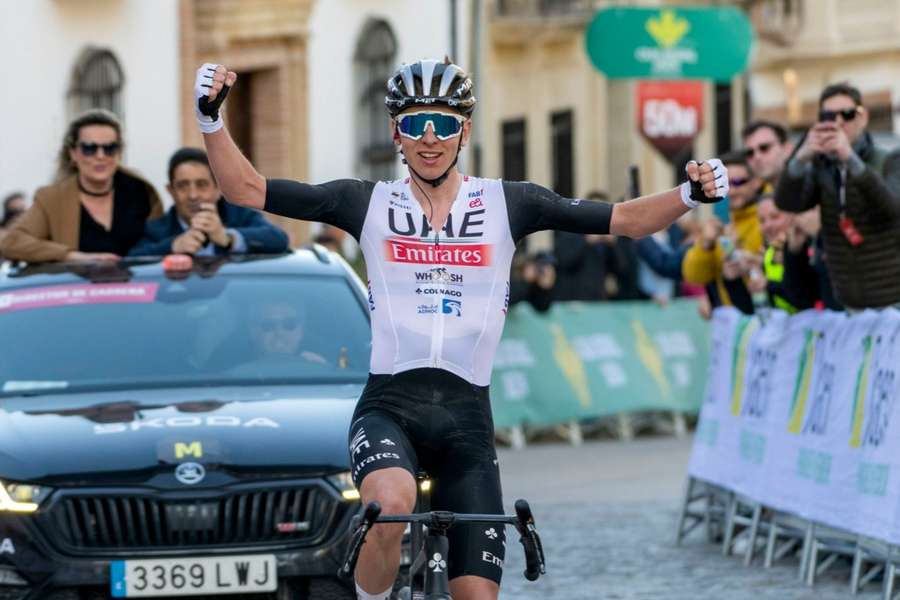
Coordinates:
805	45
63	56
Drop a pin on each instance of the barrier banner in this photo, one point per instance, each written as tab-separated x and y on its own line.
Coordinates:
801	414
582	360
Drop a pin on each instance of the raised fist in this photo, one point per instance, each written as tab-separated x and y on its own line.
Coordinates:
707	182
210	89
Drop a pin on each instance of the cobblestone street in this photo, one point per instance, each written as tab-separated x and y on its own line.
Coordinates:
607	514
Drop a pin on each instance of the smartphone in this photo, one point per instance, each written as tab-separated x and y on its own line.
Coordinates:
727	245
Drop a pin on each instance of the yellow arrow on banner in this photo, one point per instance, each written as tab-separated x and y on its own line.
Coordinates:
571	365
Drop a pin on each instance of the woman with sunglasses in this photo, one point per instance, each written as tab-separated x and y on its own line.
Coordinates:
96	210
438	246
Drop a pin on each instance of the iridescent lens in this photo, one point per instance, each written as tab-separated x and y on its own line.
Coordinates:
444	126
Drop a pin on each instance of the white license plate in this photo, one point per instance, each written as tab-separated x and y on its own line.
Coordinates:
193	576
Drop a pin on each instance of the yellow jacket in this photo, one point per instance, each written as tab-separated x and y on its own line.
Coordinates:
705	266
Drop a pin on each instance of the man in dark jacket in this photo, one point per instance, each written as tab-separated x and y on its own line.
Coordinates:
200	222
858	187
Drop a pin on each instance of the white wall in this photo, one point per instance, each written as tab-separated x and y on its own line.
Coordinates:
422	30
40	40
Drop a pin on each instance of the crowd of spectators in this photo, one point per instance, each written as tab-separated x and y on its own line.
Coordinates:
97	209
814	224
811	224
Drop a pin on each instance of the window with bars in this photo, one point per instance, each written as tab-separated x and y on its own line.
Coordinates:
513	140
374	63
97	82
562	144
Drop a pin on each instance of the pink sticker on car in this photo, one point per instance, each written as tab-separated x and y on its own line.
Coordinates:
67	295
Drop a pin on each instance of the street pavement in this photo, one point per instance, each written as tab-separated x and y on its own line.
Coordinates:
607	512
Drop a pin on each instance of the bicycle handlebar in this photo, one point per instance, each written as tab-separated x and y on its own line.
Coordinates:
531	543
523	522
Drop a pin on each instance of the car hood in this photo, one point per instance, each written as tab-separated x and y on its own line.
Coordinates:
138	437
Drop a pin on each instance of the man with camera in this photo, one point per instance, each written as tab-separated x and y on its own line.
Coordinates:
200	222
857	186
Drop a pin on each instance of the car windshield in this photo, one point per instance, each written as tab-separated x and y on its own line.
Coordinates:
223	330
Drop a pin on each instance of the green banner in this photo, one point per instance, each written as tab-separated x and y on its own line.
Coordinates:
583	360
670	43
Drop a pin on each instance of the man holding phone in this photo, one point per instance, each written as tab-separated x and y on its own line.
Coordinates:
857	185
200	222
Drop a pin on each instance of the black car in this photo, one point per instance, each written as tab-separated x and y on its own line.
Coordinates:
169	431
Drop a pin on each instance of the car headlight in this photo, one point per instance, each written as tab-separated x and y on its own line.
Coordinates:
22	497
344	484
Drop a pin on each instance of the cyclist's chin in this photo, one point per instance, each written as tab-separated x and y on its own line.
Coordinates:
431	169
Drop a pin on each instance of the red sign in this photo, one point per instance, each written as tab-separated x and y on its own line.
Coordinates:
670	114
427	253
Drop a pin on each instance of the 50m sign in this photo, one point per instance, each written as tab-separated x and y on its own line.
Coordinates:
670	114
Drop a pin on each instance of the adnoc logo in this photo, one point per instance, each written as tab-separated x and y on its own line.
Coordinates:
452	307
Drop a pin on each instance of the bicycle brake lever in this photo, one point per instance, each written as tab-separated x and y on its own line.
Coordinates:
360	526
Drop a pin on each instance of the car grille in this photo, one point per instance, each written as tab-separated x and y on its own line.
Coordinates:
100	523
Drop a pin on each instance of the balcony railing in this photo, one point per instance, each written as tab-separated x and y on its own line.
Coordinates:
545	8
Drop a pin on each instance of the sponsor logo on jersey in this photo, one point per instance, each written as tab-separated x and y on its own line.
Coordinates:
427	309
506	299
439	275
439	291
371	298
427	253
451	307
358	442
403	223
372	458
402	200
491	558
475	198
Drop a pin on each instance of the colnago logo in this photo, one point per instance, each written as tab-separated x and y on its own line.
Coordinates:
439	292
427	253
439	275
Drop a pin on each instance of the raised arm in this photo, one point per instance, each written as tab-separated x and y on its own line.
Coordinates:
707	183
534	208
239	181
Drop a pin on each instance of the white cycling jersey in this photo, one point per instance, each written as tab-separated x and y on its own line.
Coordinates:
438	298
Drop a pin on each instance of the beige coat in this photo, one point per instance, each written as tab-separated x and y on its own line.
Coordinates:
50	228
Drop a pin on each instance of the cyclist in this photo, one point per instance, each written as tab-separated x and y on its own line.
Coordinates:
438	246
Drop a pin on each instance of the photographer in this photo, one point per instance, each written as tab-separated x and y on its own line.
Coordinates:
857	185
532	280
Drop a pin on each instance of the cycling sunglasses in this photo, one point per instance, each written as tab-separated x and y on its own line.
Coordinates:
90	148
444	126
831	115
